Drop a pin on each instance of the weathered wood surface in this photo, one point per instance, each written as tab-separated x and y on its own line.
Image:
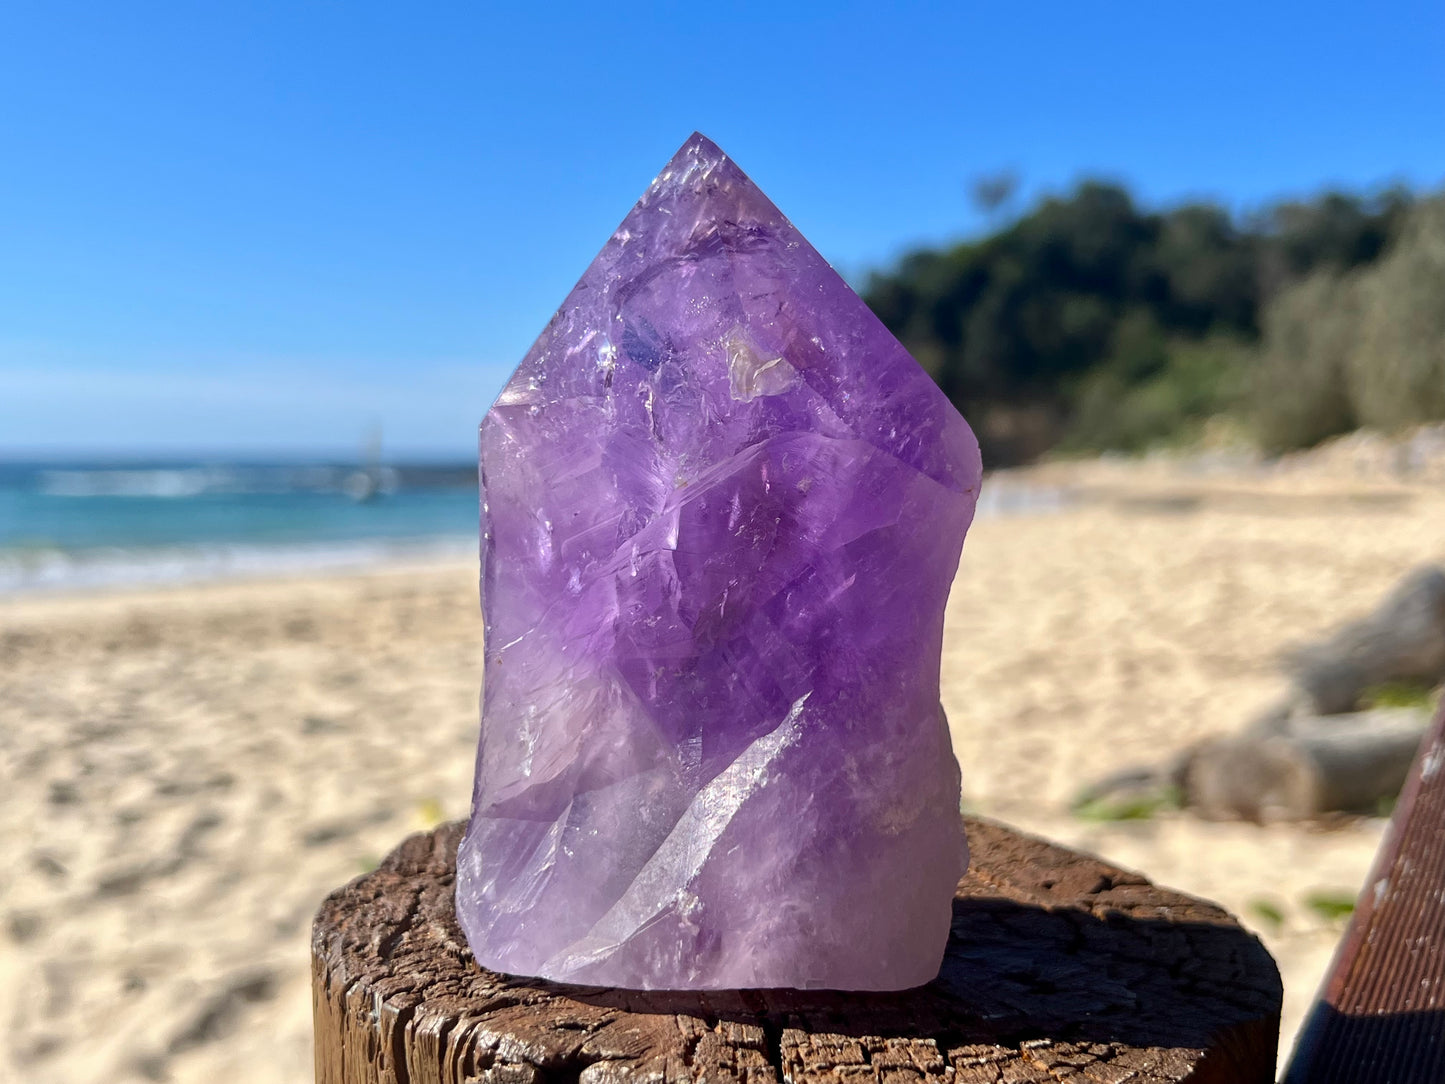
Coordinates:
1059	968
1302	767
1282	768
1381	1014
1403	639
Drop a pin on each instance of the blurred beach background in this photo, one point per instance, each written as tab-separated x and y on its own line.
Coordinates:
262	271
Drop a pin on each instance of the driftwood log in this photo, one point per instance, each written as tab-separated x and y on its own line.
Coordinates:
1059	968
1300	767
1314	752
1282	768
1403	639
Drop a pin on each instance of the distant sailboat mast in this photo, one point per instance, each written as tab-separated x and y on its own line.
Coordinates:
371	480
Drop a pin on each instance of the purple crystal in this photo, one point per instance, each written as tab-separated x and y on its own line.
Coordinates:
722	508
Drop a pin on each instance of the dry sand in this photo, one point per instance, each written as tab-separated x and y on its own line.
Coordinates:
187	772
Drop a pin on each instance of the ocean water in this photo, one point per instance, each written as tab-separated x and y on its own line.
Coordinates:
73	525
79	525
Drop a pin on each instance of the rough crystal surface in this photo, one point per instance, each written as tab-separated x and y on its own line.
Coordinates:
722	508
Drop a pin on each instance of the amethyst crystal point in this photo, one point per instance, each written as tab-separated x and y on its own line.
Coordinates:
722	510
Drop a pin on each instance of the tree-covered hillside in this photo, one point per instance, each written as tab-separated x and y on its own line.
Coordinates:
1090	322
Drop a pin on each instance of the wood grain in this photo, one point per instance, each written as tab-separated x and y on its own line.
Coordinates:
1059	968
1381	1014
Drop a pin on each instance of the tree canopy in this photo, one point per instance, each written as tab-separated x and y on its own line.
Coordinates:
1091	322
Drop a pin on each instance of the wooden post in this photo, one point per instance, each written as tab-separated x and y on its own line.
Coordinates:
1380	1015
1059	968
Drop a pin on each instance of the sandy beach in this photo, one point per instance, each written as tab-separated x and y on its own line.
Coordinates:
188	771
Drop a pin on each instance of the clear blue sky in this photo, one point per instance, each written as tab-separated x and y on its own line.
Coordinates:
254	226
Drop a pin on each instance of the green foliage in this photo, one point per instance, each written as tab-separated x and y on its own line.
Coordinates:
1090	323
1366	348
1330	905
1267	911
1135	806
1119	406
1078	286
1398	694
1299	395
1397	370
1335	231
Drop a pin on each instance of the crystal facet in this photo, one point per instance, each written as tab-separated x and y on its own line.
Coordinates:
722	508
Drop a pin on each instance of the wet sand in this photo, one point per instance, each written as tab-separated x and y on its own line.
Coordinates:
188	771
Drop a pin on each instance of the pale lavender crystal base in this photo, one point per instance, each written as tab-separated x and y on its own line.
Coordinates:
722	511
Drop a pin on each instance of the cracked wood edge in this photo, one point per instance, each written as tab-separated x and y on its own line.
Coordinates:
1059	968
